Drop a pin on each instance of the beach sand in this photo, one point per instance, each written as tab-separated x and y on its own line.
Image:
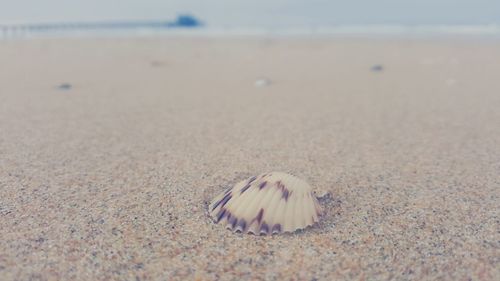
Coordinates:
111	148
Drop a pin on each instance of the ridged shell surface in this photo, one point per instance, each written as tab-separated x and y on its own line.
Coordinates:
266	204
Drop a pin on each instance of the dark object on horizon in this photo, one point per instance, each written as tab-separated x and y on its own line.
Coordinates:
377	68
64	87
185	21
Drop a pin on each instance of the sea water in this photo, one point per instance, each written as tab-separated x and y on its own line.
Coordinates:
58	18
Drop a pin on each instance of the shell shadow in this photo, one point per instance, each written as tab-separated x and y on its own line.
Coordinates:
332	209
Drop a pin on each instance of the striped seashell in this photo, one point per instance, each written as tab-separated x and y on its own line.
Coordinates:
267	204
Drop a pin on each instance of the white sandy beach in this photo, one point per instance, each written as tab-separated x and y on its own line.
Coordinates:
108	178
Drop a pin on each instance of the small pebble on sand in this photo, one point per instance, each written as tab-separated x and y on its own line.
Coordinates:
262	82
158	63
451	82
377	68
64	86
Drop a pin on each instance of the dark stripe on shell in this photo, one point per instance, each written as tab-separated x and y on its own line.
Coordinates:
276	228
280	185
264	228
251	180
242	224
285	194
259	216
216	204
225	199
262	185
221	214
245	188
233	221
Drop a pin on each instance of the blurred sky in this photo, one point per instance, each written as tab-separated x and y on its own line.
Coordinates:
257	13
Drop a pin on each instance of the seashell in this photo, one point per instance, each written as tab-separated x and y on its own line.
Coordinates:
267	204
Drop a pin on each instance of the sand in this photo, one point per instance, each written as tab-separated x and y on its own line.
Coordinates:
111	148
